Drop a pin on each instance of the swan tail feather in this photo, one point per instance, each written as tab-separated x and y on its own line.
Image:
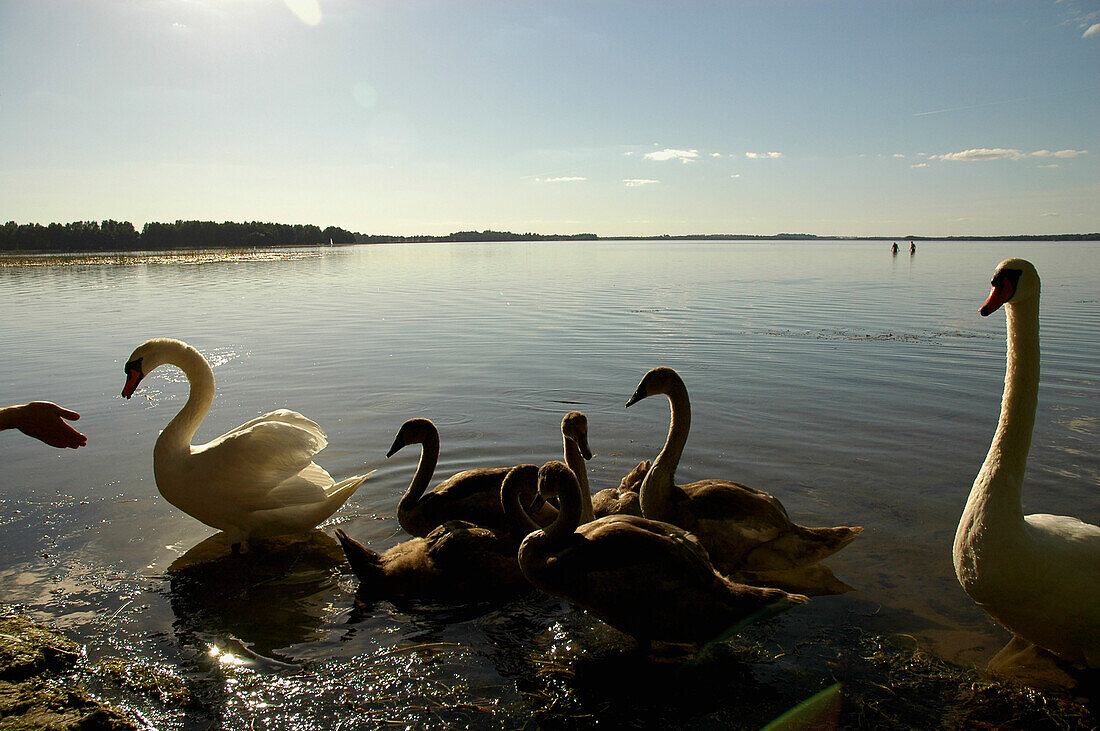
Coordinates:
365	563
344	489
801	547
815	579
632	482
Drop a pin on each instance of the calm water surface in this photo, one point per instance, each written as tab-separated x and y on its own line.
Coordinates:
857	387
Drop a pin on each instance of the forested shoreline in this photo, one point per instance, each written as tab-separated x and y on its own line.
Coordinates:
122	236
109	235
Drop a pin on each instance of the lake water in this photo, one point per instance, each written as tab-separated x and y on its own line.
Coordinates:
858	387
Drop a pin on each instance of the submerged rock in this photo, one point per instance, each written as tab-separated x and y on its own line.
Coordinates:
39	704
28	649
36	691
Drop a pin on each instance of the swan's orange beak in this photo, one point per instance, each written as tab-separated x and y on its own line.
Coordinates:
133	378
1002	292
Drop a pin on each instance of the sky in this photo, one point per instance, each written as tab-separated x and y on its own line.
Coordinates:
861	118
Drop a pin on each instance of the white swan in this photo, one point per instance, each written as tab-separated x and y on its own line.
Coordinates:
255	481
1038	575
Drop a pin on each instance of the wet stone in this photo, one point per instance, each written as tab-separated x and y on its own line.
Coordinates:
38	704
28	649
36	688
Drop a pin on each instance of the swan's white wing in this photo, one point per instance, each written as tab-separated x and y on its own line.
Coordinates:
1066	533
311	485
249	463
285	416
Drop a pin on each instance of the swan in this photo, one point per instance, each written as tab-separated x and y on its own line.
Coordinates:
648	579
255	481
1038	575
456	560
471	495
574	437
622	500
746	531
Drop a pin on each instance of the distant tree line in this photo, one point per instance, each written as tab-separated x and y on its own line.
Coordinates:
122	236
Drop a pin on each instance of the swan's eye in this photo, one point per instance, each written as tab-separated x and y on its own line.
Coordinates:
134	365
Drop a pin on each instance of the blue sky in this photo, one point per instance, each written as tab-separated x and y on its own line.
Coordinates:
633	118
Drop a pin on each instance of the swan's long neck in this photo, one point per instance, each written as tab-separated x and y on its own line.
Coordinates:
425	468
659	486
176	437
567	520
995	498
575	461
519	521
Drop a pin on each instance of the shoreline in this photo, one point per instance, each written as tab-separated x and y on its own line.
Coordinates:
47	682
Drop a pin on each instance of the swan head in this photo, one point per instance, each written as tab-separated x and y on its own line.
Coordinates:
1014	281
555	478
146	357
575	428
413	431
659	380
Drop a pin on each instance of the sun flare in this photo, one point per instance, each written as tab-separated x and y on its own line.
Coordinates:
308	11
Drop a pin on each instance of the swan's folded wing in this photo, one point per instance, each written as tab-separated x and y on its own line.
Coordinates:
285	416
1067	534
657	553
309	486
249	463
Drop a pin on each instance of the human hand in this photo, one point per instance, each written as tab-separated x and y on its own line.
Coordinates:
45	422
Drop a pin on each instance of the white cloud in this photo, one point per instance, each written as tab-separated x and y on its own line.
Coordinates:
919	165
564	179
736	175
1047	215
716	154
670	154
899	156
1094	30
639	182
763	155
981	154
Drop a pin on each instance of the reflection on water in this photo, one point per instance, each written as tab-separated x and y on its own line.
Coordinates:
261	602
186	256
858	389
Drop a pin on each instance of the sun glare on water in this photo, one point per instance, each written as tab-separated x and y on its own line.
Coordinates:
308	11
